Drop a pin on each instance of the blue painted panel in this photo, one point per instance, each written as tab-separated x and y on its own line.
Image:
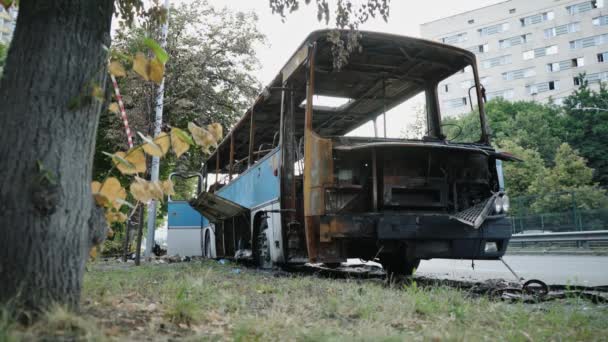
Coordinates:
257	185
181	214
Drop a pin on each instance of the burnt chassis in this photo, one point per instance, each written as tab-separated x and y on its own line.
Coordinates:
378	210
387	71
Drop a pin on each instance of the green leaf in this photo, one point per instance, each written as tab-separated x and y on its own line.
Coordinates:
7	3
160	53
184	136
119	159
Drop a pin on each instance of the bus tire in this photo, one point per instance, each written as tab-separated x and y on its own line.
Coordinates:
263	258
398	265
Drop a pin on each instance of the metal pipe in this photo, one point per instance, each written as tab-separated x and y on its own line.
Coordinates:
158	121
374	181
384	104
251	137
231	156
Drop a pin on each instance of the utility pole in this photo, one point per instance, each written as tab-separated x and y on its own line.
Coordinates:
158	121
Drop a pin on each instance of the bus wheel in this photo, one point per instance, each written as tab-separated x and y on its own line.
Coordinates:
263	258
399	265
207	245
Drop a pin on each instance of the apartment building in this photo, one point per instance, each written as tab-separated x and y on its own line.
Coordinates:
7	24
526	50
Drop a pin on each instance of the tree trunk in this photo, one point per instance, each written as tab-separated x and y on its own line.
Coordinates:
46	148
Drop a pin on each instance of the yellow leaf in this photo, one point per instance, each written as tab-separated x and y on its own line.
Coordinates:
102	200
216	130
140	190
150	146
93	252
157	147
177	143
202	137
167	186
156	70
114	108
156	190
114	217
121	196
97	92
110	232
163	141
95	186
111	188
106	194
135	157
140	65
116	69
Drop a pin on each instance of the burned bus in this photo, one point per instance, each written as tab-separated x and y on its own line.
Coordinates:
290	183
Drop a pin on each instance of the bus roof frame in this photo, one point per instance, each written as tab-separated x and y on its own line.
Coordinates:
265	112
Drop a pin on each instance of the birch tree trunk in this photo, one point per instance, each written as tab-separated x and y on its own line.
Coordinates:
46	148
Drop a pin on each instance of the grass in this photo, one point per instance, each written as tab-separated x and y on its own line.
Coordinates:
207	301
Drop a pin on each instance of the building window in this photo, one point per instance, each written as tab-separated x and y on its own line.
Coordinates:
597	77
479	49
562	29
576	81
471	21
456	103
581	7
537	18
553	85
485	80
512	41
512	10
589	41
540	52
489	30
505	94
466	84
553	67
455	39
602	57
445	88
496	61
538	88
518	74
566	64
601	21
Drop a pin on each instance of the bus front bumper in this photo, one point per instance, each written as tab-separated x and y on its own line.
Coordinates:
425	236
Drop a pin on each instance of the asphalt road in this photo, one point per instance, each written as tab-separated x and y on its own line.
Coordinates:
552	269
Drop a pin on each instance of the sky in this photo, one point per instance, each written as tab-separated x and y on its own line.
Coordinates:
283	38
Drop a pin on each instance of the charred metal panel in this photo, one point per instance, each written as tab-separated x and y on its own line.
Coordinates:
347	227
318	174
216	208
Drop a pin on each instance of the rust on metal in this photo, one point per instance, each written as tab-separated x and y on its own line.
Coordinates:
251	138
231	163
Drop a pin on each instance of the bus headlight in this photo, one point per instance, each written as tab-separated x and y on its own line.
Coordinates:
498	205
506	205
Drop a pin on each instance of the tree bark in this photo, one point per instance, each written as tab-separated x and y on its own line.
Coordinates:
46	148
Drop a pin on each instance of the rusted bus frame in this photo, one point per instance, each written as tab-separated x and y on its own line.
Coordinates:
231	157
251	137
485	137
309	222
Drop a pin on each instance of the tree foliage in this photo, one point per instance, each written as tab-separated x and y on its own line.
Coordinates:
560	148
209	78
3	50
348	14
568	183
586	120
